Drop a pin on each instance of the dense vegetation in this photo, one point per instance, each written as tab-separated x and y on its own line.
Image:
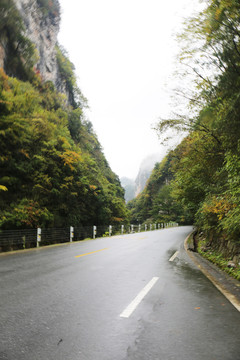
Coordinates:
157	203
52	168
66	72
204	169
51	162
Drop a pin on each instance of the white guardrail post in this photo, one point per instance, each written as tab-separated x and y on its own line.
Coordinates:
110	230
122	229
39	233
94	231
71	233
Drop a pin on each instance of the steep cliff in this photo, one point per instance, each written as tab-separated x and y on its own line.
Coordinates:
129	187
42	28
29	30
145	171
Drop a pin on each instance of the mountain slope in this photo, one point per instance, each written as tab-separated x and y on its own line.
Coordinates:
52	168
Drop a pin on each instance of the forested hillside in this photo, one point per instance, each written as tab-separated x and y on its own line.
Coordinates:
202	174
52	168
157	203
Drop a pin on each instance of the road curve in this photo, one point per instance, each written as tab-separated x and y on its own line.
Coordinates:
114	299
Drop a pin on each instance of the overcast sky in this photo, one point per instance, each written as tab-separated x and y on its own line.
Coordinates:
124	55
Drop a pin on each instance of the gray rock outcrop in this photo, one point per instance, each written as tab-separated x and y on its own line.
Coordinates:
42	30
41	21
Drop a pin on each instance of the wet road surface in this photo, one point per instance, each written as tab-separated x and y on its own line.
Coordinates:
67	302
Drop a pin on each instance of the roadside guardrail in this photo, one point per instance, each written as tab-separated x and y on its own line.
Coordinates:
31	238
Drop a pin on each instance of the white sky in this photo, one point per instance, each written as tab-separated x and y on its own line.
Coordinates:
123	52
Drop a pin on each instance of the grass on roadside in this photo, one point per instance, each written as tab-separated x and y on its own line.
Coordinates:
218	259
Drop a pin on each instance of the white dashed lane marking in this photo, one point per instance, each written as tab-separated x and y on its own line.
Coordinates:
133	305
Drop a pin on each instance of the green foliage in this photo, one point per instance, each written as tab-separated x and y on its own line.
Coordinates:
51	162
217	258
204	169
66	70
219	208
25	214
106	234
157	202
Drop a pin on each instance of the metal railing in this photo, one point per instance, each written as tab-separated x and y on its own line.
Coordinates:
11	240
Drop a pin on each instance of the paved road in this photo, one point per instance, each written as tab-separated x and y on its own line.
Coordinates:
59	305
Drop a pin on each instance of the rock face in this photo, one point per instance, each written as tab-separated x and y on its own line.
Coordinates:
141	179
145	171
129	187
41	19
42	30
134	187
2	56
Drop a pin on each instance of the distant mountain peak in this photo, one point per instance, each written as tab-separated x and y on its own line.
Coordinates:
134	187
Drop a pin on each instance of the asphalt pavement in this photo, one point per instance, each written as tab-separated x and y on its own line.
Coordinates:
114	298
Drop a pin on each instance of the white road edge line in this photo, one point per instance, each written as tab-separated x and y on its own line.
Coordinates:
174	256
133	305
